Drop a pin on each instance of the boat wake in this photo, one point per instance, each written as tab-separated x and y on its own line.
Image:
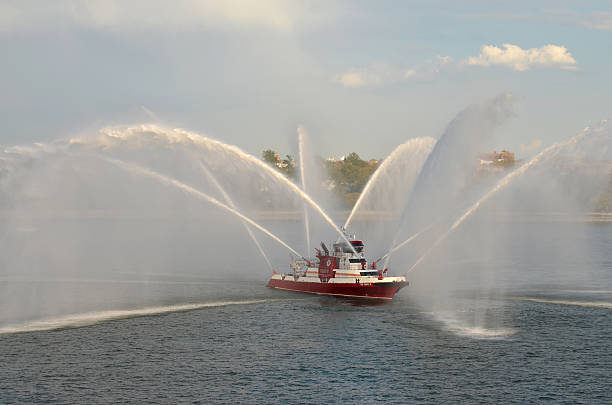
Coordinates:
589	304
91	318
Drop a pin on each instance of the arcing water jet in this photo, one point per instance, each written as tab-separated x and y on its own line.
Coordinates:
444	172
229	201
301	140
416	145
182	186
404	243
172	136
551	151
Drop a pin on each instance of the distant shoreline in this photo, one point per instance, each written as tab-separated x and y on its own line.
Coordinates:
369	216
298	215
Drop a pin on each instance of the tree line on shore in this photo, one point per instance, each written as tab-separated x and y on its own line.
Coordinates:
346	177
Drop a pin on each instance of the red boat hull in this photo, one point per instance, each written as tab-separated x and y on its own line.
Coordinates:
372	290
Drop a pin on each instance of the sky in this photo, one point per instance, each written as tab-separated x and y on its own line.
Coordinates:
360	76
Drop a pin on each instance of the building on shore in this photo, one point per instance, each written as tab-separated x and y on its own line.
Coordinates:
496	160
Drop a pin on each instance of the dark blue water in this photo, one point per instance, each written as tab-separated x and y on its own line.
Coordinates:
516	343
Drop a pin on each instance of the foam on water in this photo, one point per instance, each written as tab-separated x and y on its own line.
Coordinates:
91	318
588	291
588	304
482	333
458	327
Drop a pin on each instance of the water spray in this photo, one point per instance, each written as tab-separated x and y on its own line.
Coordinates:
401	245
229	201
180	135
301	136
551	151
475	122
190	190
384	167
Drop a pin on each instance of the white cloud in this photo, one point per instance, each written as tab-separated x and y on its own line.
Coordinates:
148	14
598	20
270	13
514	57
9	16
383	73
373	75
444	60
410	73
351	79
530	147
510	56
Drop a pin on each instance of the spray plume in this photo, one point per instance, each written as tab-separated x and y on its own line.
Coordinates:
444	172
416	144
551	151
301	140
407	241
179	136
175	183
229	201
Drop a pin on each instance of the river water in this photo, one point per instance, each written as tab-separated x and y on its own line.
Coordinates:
540	333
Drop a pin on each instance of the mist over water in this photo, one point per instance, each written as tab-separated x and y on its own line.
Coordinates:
313	179
386	193
71	212
302	163
445	180
152	206
454	236
564	179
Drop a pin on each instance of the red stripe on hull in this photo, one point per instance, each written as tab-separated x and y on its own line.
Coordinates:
342	289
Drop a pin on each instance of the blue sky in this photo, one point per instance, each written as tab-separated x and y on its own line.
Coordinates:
359	76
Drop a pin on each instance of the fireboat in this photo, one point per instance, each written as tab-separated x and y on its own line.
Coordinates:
343	273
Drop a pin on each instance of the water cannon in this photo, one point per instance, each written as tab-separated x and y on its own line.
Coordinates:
325	249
